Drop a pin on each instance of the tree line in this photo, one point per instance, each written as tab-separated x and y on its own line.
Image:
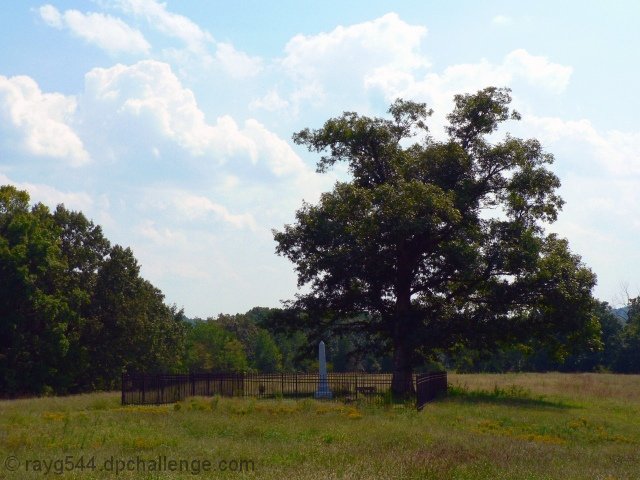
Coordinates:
256	342
75	313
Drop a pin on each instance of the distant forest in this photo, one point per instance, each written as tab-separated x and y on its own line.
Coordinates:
75	314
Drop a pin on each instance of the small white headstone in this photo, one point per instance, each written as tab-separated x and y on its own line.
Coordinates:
323	385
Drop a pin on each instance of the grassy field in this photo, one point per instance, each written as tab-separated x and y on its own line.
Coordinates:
520	426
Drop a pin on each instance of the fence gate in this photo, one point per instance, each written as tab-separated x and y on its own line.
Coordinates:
429	386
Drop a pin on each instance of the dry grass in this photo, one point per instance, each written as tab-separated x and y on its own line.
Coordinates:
575	386
523	426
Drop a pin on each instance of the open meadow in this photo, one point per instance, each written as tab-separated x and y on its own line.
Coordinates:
503	426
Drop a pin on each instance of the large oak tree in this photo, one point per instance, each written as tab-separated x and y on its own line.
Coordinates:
436	244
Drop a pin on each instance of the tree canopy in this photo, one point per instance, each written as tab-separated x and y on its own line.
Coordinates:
74	311
434	245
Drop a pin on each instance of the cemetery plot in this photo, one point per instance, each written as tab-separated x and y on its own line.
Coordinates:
142	388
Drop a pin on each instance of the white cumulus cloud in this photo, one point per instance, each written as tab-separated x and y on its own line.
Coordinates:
51	15
537	70
271	102
235	63
196	207
197	43
384	41
169	23
342	58
39	123
107	32
614	150
149	99
281	159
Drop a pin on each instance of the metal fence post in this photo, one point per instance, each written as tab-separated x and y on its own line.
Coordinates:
356	386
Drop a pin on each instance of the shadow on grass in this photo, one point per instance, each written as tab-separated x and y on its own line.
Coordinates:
510	396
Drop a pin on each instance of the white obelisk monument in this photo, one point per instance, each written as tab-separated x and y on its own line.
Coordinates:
323	385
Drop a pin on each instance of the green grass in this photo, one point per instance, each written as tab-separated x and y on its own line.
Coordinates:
520	426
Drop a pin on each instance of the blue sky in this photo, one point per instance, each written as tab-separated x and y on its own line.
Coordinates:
170	123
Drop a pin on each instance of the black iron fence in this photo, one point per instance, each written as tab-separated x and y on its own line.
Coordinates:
145	388
429	386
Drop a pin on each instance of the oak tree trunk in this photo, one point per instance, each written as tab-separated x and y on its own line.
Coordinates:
402	379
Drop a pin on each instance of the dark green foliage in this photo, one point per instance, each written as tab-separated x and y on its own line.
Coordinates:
605	357
129	314
35	315
262	353
234	343
74	311
212	348
296	354
628	358
537	356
